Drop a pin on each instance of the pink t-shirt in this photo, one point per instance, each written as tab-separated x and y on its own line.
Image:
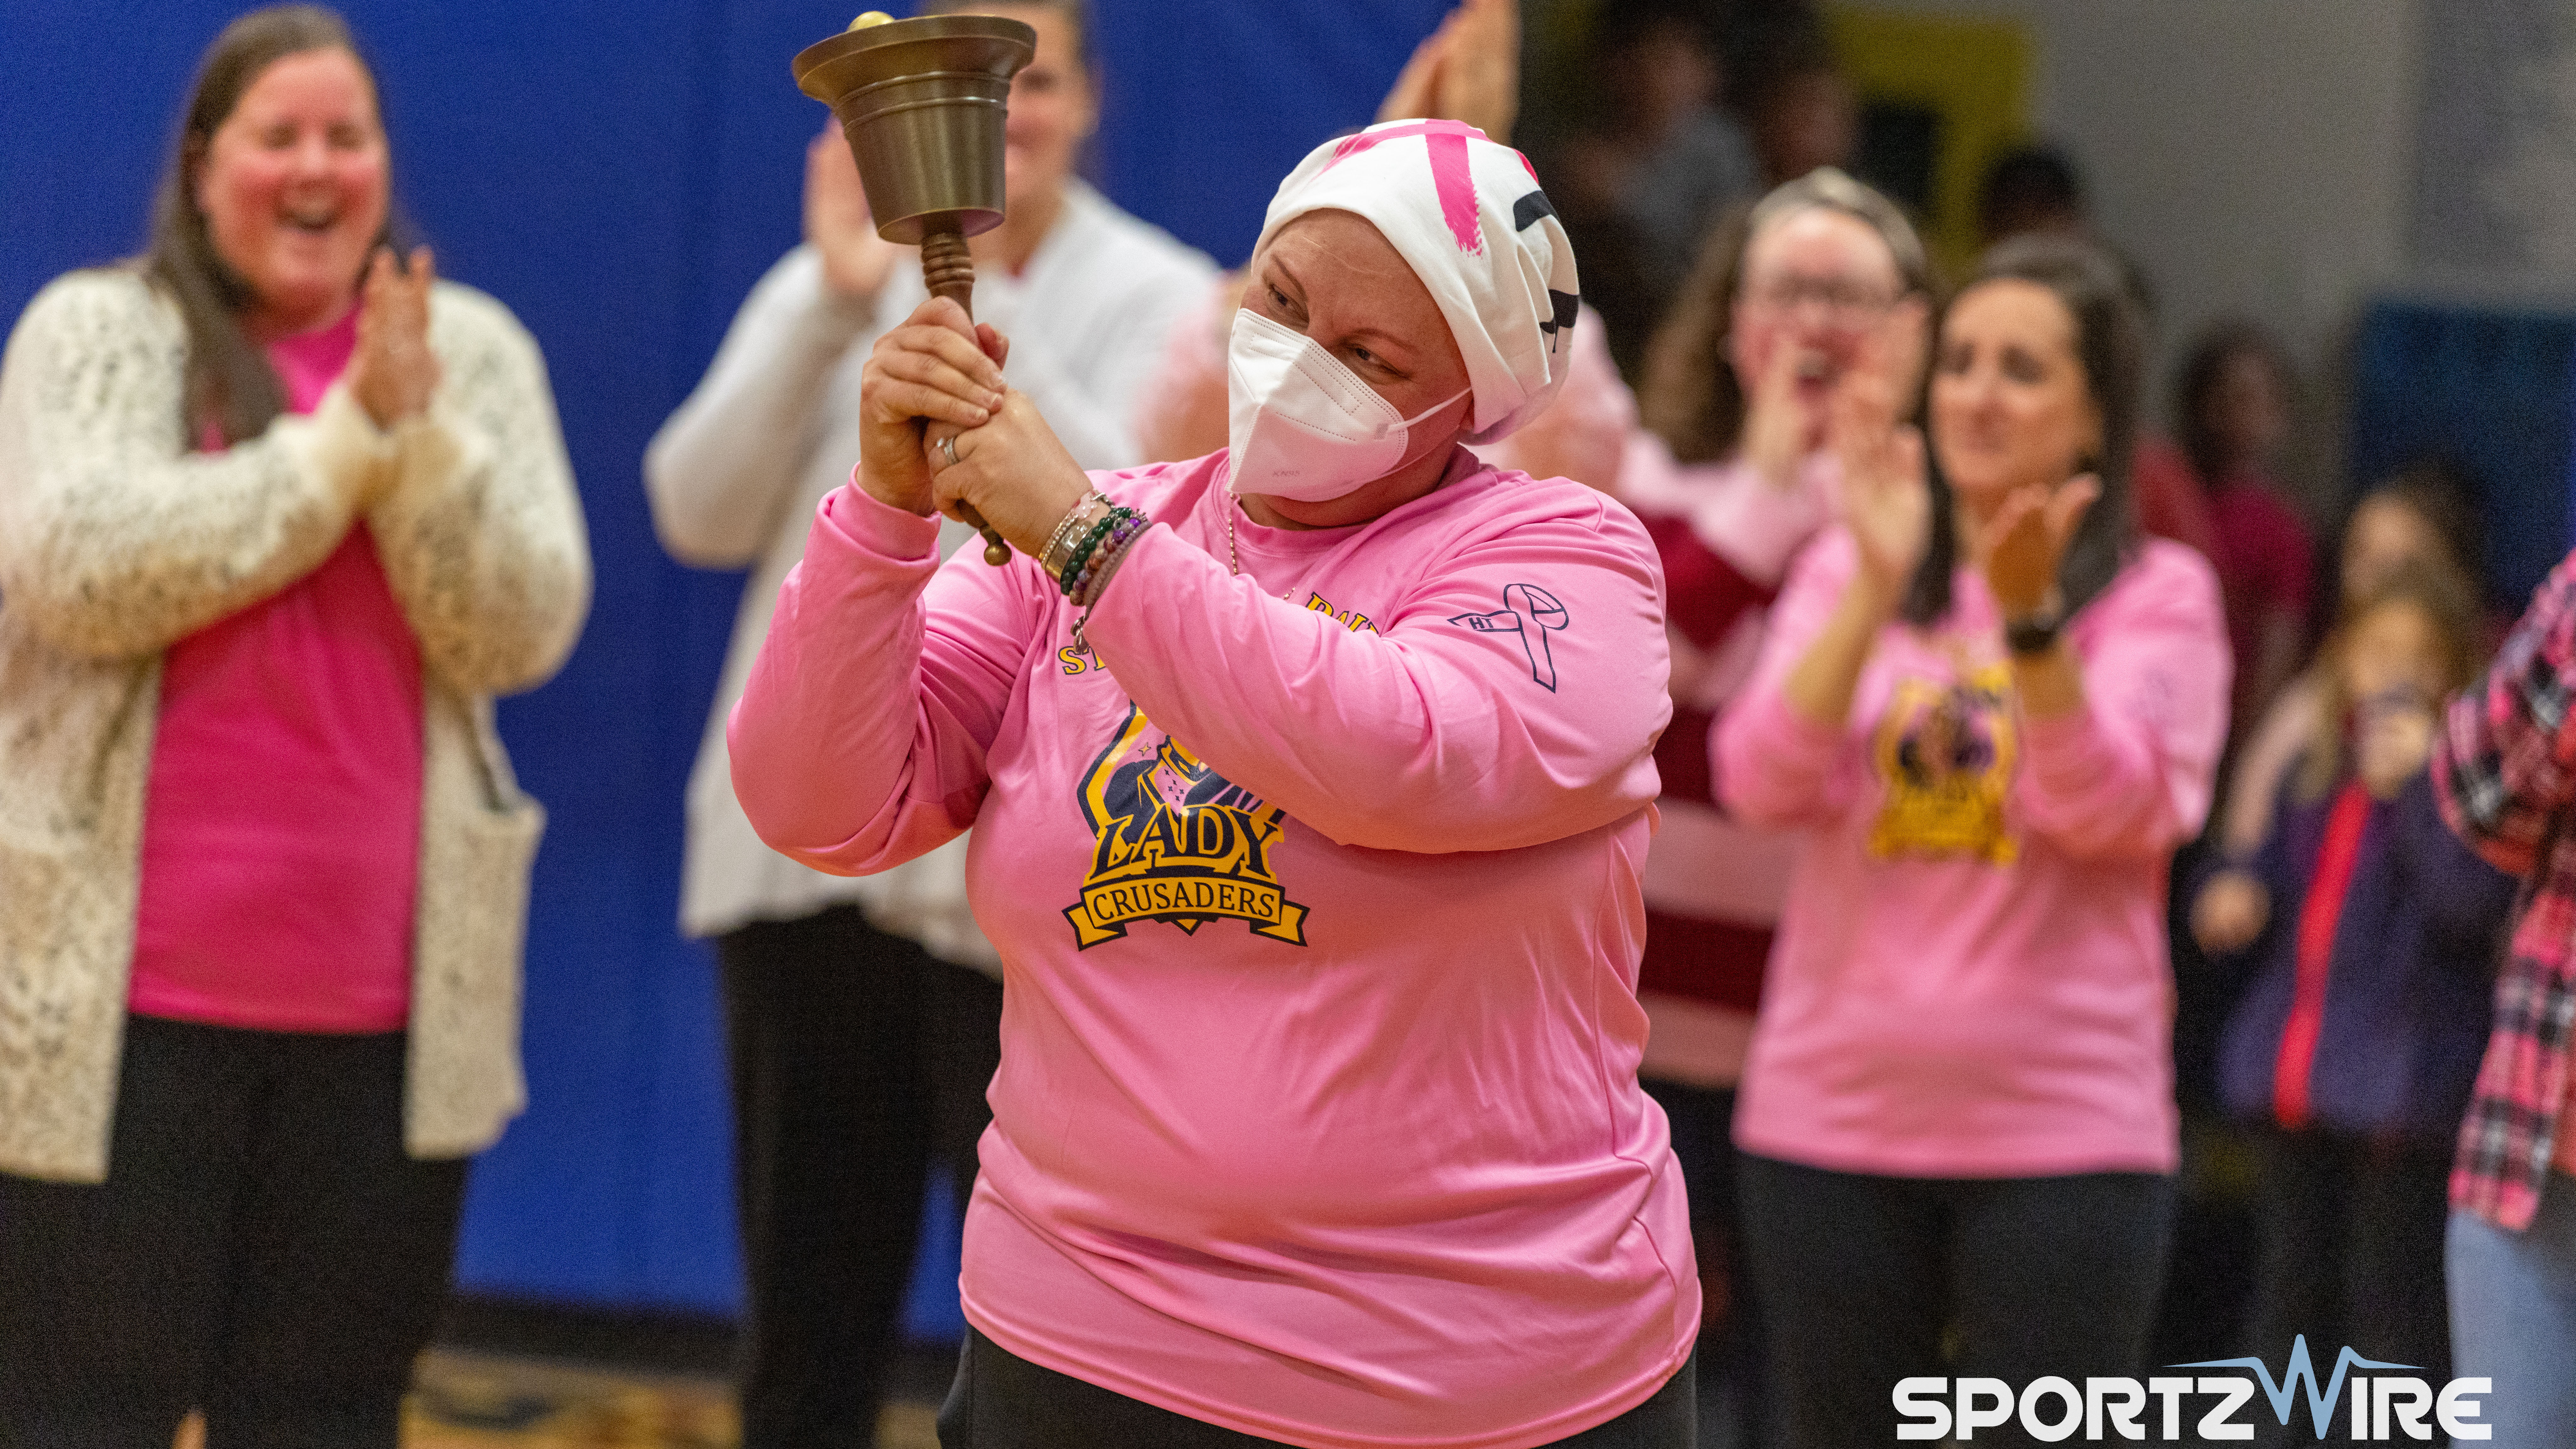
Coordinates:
1317	893
1971	976
281	826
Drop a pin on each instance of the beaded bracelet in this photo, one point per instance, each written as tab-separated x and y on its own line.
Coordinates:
1121	543
1048	557
1071	579
1081	579
1112	550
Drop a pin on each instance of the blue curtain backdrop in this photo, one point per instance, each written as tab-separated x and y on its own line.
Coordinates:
2491	390
619	175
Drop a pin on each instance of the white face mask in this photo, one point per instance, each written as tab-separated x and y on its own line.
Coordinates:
1299	425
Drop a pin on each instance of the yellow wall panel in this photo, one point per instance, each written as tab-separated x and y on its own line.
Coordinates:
1972	75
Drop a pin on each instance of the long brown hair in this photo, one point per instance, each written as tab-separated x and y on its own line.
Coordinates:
2110	346
1691	397
229	382
2444	596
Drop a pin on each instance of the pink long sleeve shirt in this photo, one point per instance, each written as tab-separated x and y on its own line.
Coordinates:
1970	978
1317	892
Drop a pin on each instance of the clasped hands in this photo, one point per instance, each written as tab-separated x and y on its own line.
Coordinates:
393	373
934	384
1887	499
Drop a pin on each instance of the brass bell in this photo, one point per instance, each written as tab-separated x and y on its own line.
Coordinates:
922	103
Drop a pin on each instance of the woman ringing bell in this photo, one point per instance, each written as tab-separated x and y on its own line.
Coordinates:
1309	782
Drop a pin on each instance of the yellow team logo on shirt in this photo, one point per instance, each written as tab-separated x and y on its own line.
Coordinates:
1177	842
1351	619
1946	749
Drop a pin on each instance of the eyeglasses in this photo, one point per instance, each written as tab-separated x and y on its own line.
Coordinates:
1840	300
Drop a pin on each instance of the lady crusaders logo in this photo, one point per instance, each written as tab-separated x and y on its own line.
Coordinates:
1177	843
1946	752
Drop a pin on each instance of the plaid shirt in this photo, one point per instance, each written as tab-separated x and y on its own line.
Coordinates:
2505	772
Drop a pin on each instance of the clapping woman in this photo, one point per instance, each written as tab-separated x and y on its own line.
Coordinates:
278	517
1995	712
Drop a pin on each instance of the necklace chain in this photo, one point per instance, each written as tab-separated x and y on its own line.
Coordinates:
1234	556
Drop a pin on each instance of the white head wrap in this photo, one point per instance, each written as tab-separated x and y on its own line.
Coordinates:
1467	215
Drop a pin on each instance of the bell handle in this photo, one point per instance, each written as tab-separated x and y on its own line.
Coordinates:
948	270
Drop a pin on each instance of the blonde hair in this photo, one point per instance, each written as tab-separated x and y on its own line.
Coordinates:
1690	396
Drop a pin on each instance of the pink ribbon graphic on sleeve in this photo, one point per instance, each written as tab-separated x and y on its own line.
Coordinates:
1531	612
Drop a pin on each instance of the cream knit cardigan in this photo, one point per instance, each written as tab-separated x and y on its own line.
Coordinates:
116	541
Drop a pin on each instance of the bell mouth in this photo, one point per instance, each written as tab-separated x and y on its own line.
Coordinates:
922	104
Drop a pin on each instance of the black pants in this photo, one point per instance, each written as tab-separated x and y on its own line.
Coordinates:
1002	1401
1730	1324
2352	1254
858	1059
262	1249
1865	1280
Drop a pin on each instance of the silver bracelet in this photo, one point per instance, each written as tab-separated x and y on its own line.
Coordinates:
1051	557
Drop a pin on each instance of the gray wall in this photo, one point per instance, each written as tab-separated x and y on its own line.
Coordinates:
2256	157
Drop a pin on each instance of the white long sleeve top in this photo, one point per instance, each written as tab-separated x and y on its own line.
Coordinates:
736	474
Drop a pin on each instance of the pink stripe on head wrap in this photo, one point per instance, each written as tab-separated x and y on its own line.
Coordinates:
1467	215
1450	178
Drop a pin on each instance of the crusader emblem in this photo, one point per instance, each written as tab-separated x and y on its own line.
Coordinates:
1177	842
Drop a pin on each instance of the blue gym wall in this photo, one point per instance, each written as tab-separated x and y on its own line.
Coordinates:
620	175
2490	390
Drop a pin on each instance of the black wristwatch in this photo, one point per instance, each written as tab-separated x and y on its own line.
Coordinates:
2036	634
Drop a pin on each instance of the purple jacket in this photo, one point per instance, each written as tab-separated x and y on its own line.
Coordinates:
2406	1010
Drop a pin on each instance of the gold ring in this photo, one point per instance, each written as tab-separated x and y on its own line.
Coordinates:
948	445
